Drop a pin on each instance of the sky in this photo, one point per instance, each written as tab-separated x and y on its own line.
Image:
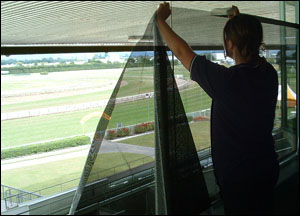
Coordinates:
82	56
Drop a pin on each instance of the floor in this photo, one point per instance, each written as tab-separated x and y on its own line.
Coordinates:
286	194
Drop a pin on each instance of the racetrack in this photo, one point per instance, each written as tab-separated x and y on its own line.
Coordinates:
182	84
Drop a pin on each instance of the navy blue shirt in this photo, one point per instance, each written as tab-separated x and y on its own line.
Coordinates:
242	116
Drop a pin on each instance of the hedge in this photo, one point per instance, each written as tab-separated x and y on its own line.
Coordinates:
111	134
122	132
44	147
141	128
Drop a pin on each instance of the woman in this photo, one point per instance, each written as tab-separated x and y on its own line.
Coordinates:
244	99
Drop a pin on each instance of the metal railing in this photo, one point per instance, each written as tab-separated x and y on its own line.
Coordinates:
204	112
13	196
13	199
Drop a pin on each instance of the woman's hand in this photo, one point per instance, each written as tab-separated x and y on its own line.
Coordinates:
177	45
163	11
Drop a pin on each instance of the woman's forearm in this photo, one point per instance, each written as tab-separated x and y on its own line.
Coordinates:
176	44
169	36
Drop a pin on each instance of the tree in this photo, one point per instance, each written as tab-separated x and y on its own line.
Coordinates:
19	64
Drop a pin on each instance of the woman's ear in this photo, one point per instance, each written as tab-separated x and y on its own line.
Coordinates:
229	44
229	48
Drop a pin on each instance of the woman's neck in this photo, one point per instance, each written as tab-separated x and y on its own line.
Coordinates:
240	60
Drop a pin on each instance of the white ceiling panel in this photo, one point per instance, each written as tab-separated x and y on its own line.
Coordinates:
27	23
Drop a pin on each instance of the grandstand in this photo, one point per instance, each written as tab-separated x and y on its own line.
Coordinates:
51	106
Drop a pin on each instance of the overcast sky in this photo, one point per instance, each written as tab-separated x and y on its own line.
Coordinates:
113	56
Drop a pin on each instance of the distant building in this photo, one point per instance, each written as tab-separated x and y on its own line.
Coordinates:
219	56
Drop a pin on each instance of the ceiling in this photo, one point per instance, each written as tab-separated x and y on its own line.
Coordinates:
76	23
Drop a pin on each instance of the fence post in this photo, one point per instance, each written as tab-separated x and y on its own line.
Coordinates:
2	191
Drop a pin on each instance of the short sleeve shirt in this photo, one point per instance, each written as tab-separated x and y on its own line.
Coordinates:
242	115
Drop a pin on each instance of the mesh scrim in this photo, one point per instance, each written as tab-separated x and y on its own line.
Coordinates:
180	186
146	94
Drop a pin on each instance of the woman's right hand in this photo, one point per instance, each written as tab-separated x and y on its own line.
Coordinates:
163	11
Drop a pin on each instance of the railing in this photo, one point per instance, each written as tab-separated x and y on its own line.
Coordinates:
13	199
58	188
13	196
113	188
205	113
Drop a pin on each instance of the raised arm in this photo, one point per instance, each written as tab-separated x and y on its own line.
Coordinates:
176	44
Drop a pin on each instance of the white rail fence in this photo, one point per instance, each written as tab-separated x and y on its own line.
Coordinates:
76	107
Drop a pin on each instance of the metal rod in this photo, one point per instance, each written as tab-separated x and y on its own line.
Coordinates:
172	29
297	81
283	67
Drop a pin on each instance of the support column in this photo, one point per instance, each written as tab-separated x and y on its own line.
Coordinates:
283	66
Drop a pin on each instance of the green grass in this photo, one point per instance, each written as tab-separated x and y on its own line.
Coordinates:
27	130
76	99
143	110
200	131
77	79
36	177
140	80
134	86
144	140
31	84
41	128
61	79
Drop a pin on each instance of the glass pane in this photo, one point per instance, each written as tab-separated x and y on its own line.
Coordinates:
287	99
49	98
50	107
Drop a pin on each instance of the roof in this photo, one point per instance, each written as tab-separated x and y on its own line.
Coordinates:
95	23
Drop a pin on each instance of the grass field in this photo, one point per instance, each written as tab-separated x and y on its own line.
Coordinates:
36	177
27	130
139	81
200	131
40	176
134	86
60	101
41	128
58	79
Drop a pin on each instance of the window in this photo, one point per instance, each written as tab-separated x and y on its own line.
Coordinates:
53	101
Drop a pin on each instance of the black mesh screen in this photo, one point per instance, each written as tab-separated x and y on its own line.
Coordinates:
153	99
